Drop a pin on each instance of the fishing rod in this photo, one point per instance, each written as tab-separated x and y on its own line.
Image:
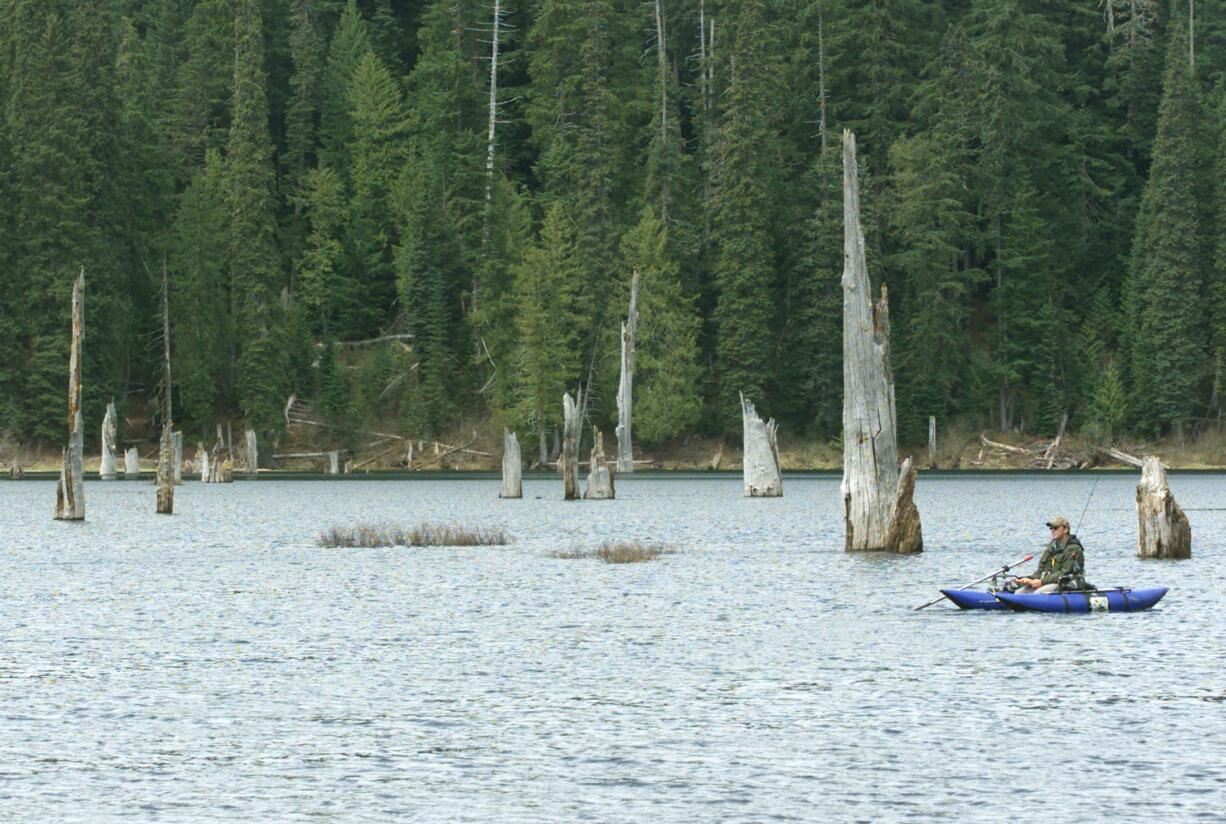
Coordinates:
1000	571
1087	506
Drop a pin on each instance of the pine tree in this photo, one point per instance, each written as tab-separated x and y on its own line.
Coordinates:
549	326
746	268
1166	280
349	43
254	260
202	96
199	272
302	116
666	397
322	285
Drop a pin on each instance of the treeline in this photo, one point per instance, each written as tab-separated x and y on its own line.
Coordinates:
1044	184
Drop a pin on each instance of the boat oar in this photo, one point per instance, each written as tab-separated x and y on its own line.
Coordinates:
1000	571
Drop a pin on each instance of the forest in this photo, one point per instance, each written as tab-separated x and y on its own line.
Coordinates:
427	213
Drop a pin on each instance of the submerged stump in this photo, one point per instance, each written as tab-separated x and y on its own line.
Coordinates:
512	467
178	457
1163	530
166	472
131	464
569	459
599	474
251	453
879	513
760	463
625	386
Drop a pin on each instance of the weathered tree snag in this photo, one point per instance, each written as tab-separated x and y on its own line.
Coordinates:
106	469
70	492
202	458
512	481
569	459
166	448
760	461
178	457
166	472
16	473
251	454
932	442
625	387
334	462
877	516
131	464
1162	528
221	468
599	476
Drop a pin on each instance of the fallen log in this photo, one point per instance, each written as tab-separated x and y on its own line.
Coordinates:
1162	527
70	491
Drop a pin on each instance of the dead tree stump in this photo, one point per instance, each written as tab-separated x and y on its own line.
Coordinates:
1162	527
877	516
131	464
760	461
178	458
106	469
569	459
202	458
70	492
166	472
251	454
599	475
512	467
334	462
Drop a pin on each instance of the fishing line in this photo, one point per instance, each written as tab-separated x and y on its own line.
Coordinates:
1087	506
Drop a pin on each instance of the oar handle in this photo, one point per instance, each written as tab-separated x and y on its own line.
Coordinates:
1000	571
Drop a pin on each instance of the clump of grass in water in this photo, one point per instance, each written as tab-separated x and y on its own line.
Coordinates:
424	534
619	552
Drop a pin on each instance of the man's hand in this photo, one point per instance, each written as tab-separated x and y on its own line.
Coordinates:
1030	582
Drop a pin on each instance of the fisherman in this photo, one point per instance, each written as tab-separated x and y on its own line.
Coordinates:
1063	565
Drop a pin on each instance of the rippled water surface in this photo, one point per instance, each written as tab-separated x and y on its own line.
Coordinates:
217	665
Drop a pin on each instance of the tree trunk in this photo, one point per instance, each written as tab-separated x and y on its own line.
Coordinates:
131	464
625	387
334	462
70	492
221	468
106	469
871	479
512	465
599	476
760	461
569	459
166	472
178	458
1162	528
932	442
202	458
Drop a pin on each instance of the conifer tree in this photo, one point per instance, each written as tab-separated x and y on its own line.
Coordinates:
323	286
350	42
666	397
199	271
254	260
746	268
1166	280
302	116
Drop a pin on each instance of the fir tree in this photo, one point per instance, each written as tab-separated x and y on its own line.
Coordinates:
1165	279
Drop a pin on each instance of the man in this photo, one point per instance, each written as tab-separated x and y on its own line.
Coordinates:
1063	565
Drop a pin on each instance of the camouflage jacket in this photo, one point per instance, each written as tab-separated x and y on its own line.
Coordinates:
1064	565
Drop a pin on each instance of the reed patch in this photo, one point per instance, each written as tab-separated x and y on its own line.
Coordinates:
619	552
424	534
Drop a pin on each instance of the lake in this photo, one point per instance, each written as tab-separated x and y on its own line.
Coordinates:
218	665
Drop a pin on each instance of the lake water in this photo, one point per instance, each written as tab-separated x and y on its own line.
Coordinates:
217	665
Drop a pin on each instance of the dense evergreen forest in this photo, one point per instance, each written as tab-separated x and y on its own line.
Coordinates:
475	182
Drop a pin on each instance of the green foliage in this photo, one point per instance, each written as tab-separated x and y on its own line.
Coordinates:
666	398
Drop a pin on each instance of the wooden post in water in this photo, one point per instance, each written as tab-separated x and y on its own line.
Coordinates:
569	459
625	387
877	499
512	467
70	492
1162	528
106	468
599	475
760	461
932	442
